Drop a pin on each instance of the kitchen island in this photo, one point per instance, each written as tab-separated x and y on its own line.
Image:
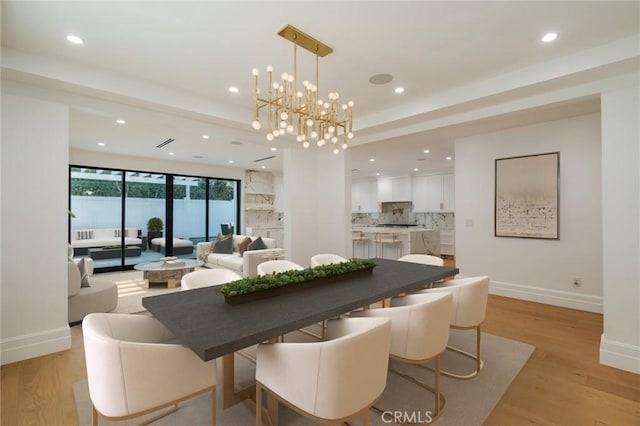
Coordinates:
413	240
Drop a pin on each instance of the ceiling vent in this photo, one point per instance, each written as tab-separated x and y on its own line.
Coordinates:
167	142
263	159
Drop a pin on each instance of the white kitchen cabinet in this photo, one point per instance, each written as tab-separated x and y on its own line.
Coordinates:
385	190
434	193
420	194
364	197
448	192
394	188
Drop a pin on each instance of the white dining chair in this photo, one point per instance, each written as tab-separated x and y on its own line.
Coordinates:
468	312
425	259
329	381
419	334
132	369
207	277
326	259
275	266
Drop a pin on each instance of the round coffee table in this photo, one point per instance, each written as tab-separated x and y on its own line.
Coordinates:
170	273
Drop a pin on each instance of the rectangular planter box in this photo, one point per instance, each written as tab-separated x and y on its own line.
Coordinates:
277	291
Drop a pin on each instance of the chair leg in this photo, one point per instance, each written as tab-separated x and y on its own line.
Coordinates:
479	363
213	406
94	416
440	400
366	417
258	404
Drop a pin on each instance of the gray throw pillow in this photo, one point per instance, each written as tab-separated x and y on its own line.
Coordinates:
223	245
257	244
84	275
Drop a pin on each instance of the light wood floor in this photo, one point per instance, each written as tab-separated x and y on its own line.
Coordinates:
562	383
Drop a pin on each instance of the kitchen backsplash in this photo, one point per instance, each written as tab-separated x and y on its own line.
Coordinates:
428	220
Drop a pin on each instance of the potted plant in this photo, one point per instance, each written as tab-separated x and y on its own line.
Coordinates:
154	229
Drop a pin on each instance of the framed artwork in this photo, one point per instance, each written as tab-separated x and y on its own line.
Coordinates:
527	196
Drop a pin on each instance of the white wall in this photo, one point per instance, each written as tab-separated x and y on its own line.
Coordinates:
317	203
620	343
531	269
34	228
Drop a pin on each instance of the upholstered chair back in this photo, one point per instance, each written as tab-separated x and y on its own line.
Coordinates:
426	259
130	370
207	277
326	259
332	379
469	300
275	266
419	324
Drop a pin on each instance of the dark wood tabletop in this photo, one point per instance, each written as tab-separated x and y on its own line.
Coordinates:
204	322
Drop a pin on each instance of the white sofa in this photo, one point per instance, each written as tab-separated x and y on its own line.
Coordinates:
83	239
101	296
245	265
180	246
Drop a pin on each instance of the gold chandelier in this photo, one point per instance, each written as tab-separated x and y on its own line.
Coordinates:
302	112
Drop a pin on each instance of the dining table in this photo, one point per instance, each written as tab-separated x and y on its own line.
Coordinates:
203	321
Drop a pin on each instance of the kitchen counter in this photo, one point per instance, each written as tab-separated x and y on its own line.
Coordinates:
414	240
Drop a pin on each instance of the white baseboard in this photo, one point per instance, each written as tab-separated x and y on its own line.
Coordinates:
33	345
565	299
619	355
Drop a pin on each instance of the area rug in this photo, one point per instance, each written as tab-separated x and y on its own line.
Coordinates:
131	290
468	402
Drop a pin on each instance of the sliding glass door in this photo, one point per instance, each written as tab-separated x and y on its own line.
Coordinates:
145	215
123	218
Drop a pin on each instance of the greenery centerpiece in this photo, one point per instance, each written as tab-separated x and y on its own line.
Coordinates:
262	286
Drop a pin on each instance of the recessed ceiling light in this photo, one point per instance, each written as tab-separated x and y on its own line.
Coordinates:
263	167
233	89
100	143
120	121
449	158
416	169
549	37
399	90
274	149
74	39
377	174
171	153
426	151
205	136
372	160
230	161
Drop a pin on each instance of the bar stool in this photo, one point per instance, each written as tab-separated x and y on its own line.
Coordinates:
359	237
387	239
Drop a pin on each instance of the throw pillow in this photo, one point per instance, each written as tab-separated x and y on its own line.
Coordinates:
223	245
84	275
257	244
243	245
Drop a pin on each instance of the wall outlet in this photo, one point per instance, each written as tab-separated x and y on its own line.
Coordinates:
577	281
